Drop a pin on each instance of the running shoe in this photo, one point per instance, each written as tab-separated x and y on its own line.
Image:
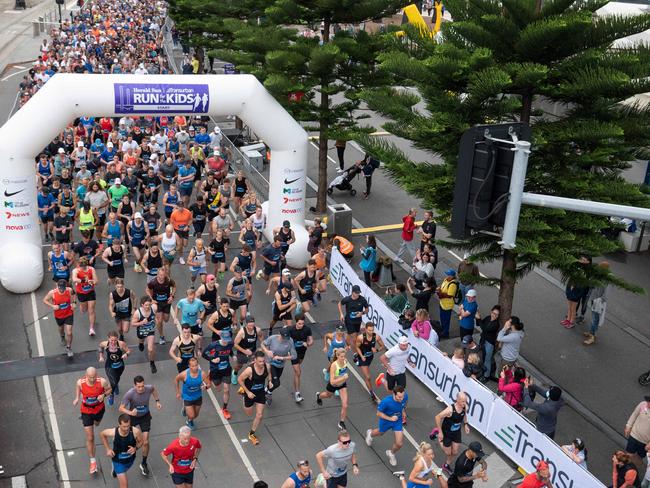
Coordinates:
113	473
253	438
141	346
233	378
91	332
162	340
111	399
190	424
399	474
318	399
122	337
144	469
69	352
391	457
369	437
154	370
63	343
298	397
325	373
340	170
269	399
226	414
433	435
380	379
181	260
355	359
341	425
374	397
183	412
116	390
93	467
258	276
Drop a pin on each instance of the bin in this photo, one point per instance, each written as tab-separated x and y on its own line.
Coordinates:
339	220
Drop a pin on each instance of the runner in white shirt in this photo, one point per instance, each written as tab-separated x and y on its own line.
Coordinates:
395	360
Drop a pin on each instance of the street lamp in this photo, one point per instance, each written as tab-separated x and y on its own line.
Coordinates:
59	3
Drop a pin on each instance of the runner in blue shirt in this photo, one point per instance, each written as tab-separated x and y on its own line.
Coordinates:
390	411
46	203
191	311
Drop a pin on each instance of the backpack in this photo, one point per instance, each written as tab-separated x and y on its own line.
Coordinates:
458	295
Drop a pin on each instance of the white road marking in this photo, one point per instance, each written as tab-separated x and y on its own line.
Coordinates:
58	445
226	424
14	74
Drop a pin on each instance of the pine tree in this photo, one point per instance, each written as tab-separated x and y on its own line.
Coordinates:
512	60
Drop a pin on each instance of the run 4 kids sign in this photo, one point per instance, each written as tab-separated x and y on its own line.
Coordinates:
511	433
157	98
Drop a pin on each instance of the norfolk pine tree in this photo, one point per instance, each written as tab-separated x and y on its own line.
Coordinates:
507	61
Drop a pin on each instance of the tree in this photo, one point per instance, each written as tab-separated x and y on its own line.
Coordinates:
512	60
327	72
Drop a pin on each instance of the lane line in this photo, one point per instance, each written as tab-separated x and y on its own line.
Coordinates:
231	433
58	445
14	74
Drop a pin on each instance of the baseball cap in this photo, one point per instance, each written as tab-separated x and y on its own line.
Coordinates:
109	144
118	181
210	277
250	319
286	271
356	289
466	255
61	150
477	448
284	332
403	340
154	156
191	127
80	144
286	223
137	215
450	272
238	269
468	339
340	327
554	393
217	130
470	293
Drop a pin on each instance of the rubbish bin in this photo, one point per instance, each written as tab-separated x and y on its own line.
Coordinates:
339	220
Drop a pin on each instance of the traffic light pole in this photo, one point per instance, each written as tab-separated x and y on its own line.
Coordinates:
518	197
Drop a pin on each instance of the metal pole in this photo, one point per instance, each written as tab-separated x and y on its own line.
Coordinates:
517	180
585	206
60	17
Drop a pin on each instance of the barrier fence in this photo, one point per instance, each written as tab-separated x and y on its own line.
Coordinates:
509	431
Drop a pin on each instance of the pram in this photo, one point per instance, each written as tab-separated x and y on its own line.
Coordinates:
342	181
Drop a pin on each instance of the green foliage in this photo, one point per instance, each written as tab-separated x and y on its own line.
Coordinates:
495	58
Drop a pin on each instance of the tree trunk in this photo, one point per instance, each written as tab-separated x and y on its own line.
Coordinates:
323	127
509	262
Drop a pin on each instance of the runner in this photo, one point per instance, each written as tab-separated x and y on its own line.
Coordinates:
247	261
63	224
125	212
338	377
180	219
59	262
152	218
62	301
287	237
144	320
113	229
283	280
115	258
223	222
300	478
241	188
248	235
395	360
162	291
449	423
207	293
84	279
423	467
239	292
138	232
245	345
338	455
126	441
463	475
120	305
92	390
169	242
196	260
306	282
170	200
185	347
284	304
302	339
255	380
199	215
46	203
272	257
185	453
217	251
185	178
190	311
366	345
278	349
151	262
332	341
221	320
135	403
390	411
87	247
112	353
218	354
194	381
356	306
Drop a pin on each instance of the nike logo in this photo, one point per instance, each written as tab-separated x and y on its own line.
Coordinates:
286	181
8	194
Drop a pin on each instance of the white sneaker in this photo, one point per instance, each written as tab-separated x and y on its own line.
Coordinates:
162	341
369	437
298	397
69	352
259	274
340	170
181	260
91	332
391	458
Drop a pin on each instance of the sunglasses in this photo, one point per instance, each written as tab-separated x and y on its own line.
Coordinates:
345	443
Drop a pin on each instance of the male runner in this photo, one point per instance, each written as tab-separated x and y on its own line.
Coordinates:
218	354
84	279
62	301
278	349
302	339
221	320
136	404
255	380
245	344
208	294
59	262
356	306
126	441
92	390
306	283
239	292
367	344
272	257
395	361
121	302
300	478
115	258
144	321
190	311
185	347
162	290
184	452
390	411
194	381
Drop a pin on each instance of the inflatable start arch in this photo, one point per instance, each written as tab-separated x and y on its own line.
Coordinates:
68	96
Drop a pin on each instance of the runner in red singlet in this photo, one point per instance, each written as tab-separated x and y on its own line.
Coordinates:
62	301
84	279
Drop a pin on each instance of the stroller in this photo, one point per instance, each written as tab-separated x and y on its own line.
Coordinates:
342	181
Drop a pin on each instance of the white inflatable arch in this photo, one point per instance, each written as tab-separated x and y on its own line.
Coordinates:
68	96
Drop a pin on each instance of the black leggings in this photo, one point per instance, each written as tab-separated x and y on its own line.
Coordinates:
366	278
114	375
275	377
368	184
339	152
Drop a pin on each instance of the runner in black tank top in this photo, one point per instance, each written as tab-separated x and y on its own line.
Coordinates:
208	296
121	446
187	352
154	263
221	320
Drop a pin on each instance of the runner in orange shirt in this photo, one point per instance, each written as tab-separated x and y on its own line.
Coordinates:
181	218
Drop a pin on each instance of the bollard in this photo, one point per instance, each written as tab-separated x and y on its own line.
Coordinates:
37	29
41	22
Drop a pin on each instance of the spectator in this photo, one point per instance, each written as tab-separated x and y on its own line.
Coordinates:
458	357
489	329
547	410
446	293
467	313
427	230
408	228
369	259
473	367
396	298
637	431
577	452
468	344
598	300
646	479
539	479
368	166
421	327
512	384
467	274
422	297
624	473
510	338
423	266
345	247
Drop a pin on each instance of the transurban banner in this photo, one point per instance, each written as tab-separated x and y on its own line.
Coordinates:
509	431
